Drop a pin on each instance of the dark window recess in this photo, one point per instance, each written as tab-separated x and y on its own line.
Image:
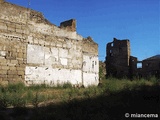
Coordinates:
92	64
120	49
147	64
84	63
110	53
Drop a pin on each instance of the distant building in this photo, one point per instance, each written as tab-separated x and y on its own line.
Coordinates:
120	63
151	66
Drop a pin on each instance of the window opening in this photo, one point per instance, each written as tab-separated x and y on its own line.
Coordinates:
139	65
92	64
112	44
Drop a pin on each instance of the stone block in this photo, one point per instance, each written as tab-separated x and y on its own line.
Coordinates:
20	72
46	43
4	83
58	44
10	76
35	54
4	67
25	31
18	26
3	26
19	30
63	53
36	41
12	68
63	61
20	61
3	60
12	72
3	53
11	28
41	42
53	43
14	62
3	72
20	55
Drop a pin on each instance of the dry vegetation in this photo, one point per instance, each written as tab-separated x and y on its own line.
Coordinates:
110	100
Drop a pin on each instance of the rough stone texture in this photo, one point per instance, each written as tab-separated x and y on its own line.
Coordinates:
118	56
90	62
69	25
119	63
102	70
151	67
1	1
133	66
35	51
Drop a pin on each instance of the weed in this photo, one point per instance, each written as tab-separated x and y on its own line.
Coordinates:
37	99
17	100
29	96
4	100
19	87
38	87
18	95
67	85
153	79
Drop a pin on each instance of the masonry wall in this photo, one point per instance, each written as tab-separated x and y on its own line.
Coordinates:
90	62
151	67
34	51
133	72
118	56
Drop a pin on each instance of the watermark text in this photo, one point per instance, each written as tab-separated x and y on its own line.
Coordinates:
139	115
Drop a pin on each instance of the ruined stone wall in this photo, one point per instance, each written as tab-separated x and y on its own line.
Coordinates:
1	1
90	62
35	51
151	67
118	56
12	45
119	63
69	25
133	66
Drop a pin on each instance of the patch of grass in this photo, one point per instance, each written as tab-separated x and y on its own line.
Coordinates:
102	107
108	101
18	95
38	87
36	99
17	87
5	100
67	85
18	101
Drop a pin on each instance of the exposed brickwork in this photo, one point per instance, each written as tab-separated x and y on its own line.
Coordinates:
151	67
118	56
34	51
119	63
69	25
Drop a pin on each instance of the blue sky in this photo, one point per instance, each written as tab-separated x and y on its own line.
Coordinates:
136	20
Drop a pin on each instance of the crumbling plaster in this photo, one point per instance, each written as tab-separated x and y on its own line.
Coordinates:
35	51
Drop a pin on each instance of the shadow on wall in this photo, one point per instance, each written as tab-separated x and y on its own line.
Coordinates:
141	100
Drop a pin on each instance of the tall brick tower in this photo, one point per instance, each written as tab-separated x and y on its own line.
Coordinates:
118	56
